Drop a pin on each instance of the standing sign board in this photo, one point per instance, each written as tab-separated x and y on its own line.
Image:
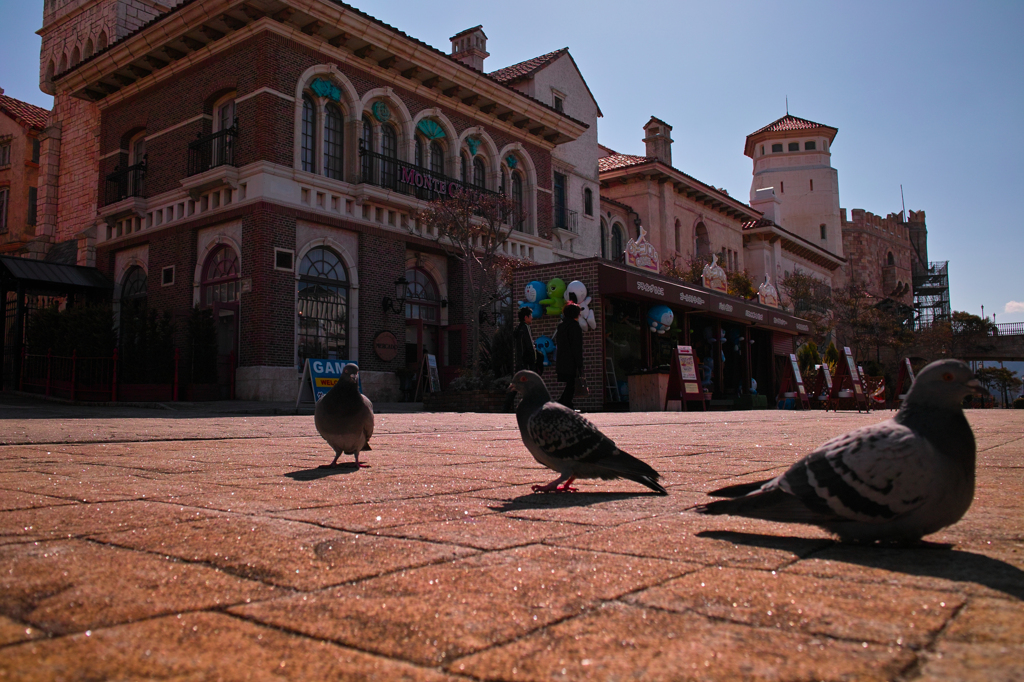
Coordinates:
793	383
683	382
318	377
822	385
429	381
904	382
848	379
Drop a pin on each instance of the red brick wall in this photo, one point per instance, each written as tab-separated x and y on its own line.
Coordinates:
545	325
267	329
381	262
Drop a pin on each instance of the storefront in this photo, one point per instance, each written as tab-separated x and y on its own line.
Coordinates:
640	317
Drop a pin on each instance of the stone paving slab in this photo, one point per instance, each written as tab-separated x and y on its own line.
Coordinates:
196	544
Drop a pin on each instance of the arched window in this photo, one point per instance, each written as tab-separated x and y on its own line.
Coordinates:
604	239
322	306
462	167
333	131
890	259
389	150
436	157
225	114
479	172
419	152
76	56
133	288
88	48
421	299
679	242
63	64
49	72
517	199
618	242
137	148
220	277
101	42
701	241
588	201
308	135
366	145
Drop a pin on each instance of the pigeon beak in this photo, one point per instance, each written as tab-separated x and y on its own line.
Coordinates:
975	387
511	387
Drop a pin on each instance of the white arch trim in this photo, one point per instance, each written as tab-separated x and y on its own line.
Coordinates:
129	263
440	280
403	120
350	104
351	264
197	278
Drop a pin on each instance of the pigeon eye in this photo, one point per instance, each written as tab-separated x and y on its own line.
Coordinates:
947	377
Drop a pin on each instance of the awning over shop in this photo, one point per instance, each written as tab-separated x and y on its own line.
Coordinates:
620	280
50	277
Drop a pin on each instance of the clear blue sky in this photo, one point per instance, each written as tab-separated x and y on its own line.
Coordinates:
929	94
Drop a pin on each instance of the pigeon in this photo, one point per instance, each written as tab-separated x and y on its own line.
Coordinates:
895	481
562	440
344	417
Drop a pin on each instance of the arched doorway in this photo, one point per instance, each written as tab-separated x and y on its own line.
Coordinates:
219	292
322	307
422	317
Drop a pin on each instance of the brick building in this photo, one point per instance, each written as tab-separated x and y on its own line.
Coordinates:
267	160
882	258
20	126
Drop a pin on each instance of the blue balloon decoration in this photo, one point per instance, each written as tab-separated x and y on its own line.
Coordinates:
659	318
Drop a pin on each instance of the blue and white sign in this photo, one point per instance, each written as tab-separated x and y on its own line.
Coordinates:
319	376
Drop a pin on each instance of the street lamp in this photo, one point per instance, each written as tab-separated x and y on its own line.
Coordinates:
396	305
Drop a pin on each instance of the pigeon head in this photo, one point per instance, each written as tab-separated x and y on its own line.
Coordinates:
943	383
530	385
350	375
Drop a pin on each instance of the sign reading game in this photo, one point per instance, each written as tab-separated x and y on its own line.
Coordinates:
318	377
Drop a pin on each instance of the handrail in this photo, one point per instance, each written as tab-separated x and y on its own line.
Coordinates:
125	182
406	178
211	151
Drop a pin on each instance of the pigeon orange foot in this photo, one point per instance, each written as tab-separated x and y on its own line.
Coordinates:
554	486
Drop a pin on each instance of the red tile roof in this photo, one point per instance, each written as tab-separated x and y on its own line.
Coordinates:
616	161
522	70
789	122
24	113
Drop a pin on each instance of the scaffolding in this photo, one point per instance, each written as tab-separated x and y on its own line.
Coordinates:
931	294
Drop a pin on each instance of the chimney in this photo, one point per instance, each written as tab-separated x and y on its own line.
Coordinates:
659	144
470	47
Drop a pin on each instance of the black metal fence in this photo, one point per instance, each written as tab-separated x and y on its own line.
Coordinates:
211	151
125	182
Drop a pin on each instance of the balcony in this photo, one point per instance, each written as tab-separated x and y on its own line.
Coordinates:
566	219
211	151
125	183
405	178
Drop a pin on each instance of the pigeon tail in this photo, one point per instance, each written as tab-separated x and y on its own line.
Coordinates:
627	466
771	505
740	489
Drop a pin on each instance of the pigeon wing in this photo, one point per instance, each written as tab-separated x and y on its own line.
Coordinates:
874	474
563	434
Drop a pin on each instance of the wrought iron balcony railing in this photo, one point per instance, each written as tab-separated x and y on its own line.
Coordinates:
567	219
211	151
405	178
125	182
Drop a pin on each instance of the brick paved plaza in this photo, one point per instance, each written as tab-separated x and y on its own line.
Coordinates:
201	544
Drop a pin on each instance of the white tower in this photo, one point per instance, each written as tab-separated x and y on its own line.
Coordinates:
792	156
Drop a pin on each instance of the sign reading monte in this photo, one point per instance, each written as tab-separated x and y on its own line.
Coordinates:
640	253
385	346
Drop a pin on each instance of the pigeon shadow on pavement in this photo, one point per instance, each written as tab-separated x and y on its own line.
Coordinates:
320	472
925	560
564	500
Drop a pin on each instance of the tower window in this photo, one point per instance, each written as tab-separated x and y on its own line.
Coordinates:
782	187
558	104
762	150
809	146
824	231
812	185
794	146
776	148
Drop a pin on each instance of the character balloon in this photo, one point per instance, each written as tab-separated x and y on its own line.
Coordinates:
554	301
659	318
577	293
534	294
546	347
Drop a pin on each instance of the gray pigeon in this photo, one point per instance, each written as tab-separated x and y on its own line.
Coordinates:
562	440
897	480
344	417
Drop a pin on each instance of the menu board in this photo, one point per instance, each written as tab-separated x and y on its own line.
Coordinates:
858	387
848	378
796	374
435	380
683	383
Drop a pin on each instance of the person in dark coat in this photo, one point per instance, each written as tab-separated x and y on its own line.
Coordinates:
524	353
569	361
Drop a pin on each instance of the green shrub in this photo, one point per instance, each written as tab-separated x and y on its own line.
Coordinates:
1019	403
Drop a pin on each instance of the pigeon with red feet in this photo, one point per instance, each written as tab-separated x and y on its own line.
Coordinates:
562	440
344	417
